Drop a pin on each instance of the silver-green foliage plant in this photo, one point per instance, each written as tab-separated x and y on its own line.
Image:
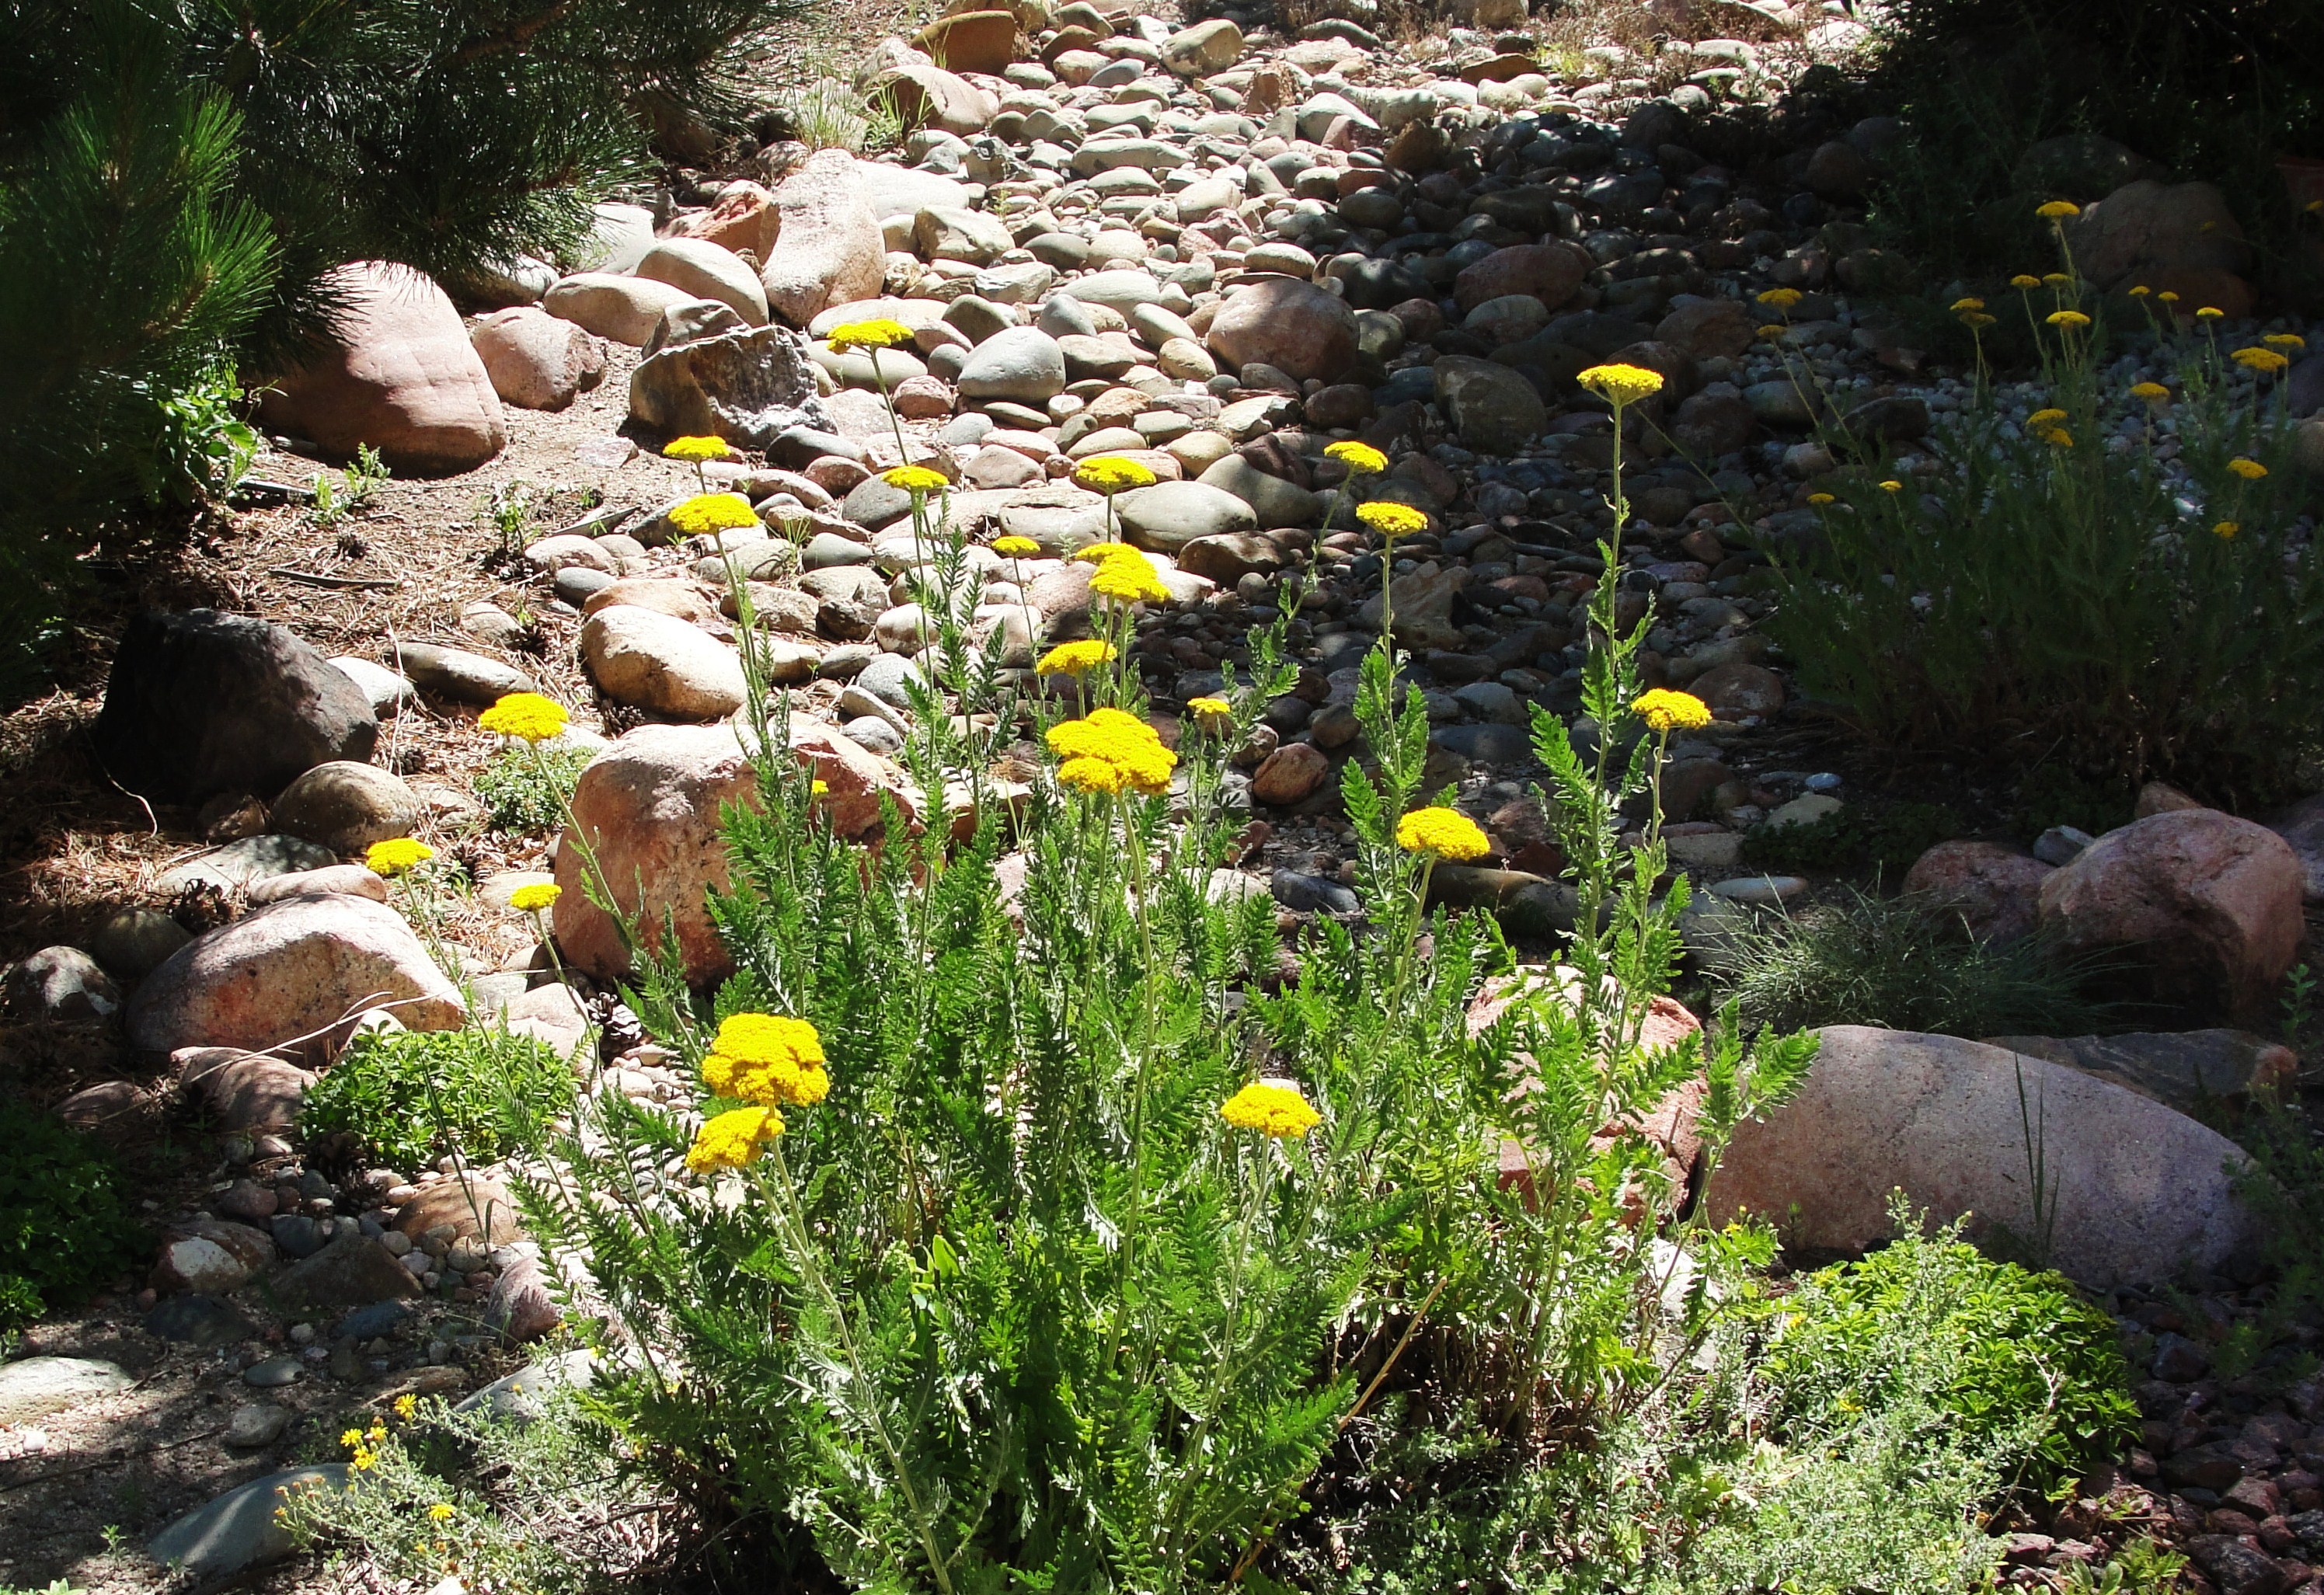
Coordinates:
2125	587
527	790
1016	1305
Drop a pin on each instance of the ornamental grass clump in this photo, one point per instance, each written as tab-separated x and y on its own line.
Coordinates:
1043	1221
2126	584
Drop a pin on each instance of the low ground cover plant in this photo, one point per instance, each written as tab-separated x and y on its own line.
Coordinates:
409	1096
526	790
66	1224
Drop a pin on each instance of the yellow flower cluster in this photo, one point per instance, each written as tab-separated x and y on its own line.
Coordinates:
768	1060
1212	714
1075	658
1619	384
1098	553
1970	302
1129	579
1111	749
2022	281
365	1444
708	513
398	855
1111	473
2210	313
2250	470
877	334
733	1140
1362	459
2058	211
2152	392
1445	832
1270	1108
2266	361
2056	436
916	479
1392	519
2068	320
1892	486
526	716
2284	340
1820	499
2225	530
1015	548
1780	299
533	898
697	450
2045	417
1665	711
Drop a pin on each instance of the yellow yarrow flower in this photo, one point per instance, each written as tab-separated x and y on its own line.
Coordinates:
1110	473
2210	313
2140	291
1976	319
1780	299
1015	548
1075	658
1212	714
1129	579
533	897
1099	553
2042	418
733	1140
916	479
1771	330
2067	318
1117	738
880	333
1892	486
398	855
2057	437
1093	775
2266	361
1270	1108
2225	531
697	450
526	716
1819	499
2168	296
1445	832
2250	470
767	1038
2058	211
2285	340
2022	282
2056	279
1362	459
1966	302
708	513
1620	385
1665	711
2152	392
1392	519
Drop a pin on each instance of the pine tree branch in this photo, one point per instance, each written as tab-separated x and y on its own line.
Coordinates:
516	36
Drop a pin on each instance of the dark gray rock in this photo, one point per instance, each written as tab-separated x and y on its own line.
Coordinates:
203	703
1312	894
353	1271
239	1529
202	1321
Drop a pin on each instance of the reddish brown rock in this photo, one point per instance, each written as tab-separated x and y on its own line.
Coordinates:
829	250
538	361
1293	773
930	96
1292	325
1737	689
1996	890
1550	273
472	1205
114	1111
745	220
971	42
2176	237
2205	909
241	1092
400	376
1707	327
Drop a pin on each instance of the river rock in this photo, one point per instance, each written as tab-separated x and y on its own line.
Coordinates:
538	361
347	806
35	1386
2190	1070
829	250
241	1528
1022	363
657	662
623	309
1293	326
708	271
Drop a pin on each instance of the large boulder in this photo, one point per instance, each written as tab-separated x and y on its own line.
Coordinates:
930	96
399	374
2202	909
1291	325
2132	1190
538	361
977	40
1996	890
745	387
240	1529
204	703
2180	236
829	249
298	970
745	220
2302	827
645	823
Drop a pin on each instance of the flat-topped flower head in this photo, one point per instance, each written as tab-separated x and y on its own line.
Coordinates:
1771	330
2152	392
1087	774
733	1140
2068	320
1619	384
1966	302
1445	832
398	855
1015	548
880	333
1117	738
2139	290
2284	340
2056	279
695	450
767	1059
1129	579
2057	437
2057	210
2210	313
526	716
1665	711
707	514
1075	658
1272	1109
533	897
2267	362
764	1037
916	479
1099	553
1361	459
1212	714
2250	470
1392	519
2025	281
1820	499
1892	486
1975	319
2044	418
2225	531
2167	295
1112	473
1780	299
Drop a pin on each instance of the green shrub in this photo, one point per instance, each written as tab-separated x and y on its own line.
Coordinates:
2064	595
409	1096
525	790
1990	1347
1903	965
1883	840
65	1223
1015	1304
